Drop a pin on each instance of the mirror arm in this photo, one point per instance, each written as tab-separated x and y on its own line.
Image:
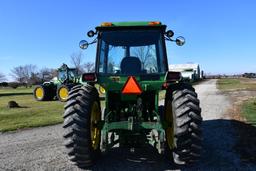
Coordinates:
169	39
94	41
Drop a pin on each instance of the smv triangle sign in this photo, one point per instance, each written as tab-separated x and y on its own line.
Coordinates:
131	86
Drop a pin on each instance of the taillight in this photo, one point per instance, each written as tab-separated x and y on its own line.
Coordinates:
153	23
173	76
89	77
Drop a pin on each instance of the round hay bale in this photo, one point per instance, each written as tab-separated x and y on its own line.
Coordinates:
13	104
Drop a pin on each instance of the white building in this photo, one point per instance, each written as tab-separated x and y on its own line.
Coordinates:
188	71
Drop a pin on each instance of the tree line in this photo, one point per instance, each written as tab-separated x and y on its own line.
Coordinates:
29	74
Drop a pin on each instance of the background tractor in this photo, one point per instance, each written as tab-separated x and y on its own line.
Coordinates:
132	68
59	86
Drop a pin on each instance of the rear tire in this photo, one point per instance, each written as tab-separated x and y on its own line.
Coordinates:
185	144
81	116
43	93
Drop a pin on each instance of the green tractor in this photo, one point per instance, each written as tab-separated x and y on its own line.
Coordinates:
131	66
59	86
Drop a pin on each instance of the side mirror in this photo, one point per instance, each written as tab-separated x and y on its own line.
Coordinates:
180	41
83	44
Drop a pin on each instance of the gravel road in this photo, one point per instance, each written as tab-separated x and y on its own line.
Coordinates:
42	149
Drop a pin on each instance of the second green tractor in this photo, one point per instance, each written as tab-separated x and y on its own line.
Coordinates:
59	86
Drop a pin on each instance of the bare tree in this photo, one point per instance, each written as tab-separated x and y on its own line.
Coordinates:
30	73
2	77
46	74
24	74
34	79
89	67
144	53
18	74
76	60
54	73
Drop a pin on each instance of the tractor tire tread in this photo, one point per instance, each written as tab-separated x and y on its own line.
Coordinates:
77	138
187	121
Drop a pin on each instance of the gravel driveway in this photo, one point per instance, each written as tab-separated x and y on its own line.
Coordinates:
41	148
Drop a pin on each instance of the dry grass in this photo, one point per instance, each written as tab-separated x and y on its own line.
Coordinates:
231	84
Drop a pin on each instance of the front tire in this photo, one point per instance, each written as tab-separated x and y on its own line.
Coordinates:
183	114
81	119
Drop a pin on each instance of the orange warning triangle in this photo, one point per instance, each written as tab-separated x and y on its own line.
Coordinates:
131	86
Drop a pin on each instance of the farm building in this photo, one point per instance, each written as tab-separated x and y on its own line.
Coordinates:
188	71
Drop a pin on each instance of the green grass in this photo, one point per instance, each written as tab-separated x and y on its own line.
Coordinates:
20	90
31	113
230	84
248	110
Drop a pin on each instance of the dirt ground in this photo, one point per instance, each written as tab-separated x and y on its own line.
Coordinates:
245	145
42	149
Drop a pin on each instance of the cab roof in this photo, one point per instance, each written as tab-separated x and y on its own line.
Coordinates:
132	24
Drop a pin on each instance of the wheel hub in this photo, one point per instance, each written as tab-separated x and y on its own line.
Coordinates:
39	93
63	93
95	131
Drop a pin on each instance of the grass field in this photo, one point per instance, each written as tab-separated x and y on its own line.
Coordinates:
248	110
230	84
20	90
31	113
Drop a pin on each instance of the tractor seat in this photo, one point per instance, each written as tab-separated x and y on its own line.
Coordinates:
130	65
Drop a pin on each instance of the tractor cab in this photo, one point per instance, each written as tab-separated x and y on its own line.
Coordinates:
131	52
66	74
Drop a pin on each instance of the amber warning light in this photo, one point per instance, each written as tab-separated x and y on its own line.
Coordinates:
106	24
131	86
